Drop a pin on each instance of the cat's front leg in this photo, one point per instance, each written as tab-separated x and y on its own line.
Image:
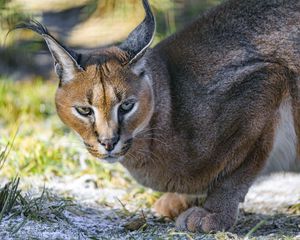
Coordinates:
220	210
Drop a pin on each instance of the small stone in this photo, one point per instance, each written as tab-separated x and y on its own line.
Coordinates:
135	224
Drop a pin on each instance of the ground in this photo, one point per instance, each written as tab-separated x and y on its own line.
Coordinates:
99	213
66	194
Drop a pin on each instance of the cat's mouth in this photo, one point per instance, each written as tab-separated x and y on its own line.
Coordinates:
110	157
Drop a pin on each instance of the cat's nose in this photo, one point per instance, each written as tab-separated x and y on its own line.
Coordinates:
109	144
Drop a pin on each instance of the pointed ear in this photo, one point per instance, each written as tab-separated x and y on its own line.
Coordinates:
66	61
141	37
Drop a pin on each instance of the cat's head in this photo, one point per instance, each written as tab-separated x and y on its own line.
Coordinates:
105	96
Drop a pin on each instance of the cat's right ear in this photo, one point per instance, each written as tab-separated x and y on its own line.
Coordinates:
66	61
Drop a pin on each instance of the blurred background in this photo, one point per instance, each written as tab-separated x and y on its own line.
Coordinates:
43	145
39	155
34	144
33	141
82	24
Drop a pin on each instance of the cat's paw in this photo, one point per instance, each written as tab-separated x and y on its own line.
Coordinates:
197	219
171	205
191	219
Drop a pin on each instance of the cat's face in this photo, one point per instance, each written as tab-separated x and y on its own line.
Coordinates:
102	96
107	105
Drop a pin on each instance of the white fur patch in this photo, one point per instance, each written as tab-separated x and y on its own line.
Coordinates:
115	112
137	69
128	115
283	155
63	58
75	113
148	118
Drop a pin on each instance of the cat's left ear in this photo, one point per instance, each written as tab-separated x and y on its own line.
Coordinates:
66	61
141	37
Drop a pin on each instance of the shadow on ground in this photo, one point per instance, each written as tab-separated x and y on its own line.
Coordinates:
79	222
265	214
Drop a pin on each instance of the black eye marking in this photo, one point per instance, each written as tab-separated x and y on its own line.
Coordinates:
142	74
89	96
85	111
126	107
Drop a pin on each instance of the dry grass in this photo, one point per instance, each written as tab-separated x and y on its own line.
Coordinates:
46	149
9	193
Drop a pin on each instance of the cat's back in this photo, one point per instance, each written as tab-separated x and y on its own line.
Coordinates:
229	28
218	45
210	61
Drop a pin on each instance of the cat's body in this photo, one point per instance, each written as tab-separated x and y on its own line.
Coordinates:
211	104
214	99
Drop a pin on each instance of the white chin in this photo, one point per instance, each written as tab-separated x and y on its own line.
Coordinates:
112	159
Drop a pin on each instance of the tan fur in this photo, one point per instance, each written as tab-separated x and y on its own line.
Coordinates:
210	104
172	204
103	85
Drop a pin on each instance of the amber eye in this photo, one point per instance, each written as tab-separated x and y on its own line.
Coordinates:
126	107
84	111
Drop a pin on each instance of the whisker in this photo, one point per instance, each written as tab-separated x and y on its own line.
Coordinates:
149	157
155	139
150	152
133	156
149	131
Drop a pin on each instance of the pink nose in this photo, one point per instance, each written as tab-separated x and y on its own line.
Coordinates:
109	144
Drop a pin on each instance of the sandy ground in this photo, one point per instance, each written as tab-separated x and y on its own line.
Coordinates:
98	214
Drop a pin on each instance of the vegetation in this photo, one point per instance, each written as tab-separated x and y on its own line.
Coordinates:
44	146
34	142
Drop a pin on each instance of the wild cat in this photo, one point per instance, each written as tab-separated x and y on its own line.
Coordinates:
205	110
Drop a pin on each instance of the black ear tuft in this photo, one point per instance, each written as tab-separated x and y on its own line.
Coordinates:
39	28
141	37
66	61
34	26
